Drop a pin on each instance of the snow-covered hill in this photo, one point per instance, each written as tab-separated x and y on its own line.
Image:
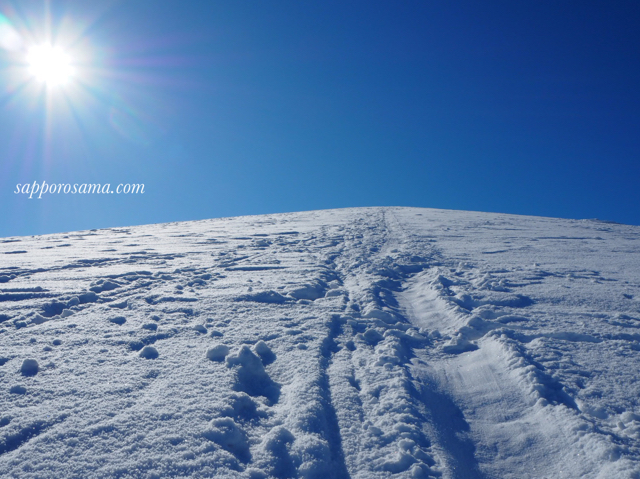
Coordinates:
356	343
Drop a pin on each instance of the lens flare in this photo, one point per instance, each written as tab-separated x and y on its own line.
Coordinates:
10	39
49	65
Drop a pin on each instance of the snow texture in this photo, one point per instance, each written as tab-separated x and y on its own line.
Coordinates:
358	343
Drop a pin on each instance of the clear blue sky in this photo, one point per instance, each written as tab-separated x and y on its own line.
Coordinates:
225	108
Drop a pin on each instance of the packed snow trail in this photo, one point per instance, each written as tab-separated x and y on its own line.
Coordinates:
356	343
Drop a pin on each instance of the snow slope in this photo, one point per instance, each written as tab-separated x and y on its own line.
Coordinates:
355	343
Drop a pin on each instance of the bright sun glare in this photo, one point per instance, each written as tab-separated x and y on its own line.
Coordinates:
49	64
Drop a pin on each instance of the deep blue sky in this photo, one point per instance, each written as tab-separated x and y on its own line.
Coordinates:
225	108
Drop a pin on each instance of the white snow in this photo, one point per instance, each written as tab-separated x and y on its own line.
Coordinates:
355	343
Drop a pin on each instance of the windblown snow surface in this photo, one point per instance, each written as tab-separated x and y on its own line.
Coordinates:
356	343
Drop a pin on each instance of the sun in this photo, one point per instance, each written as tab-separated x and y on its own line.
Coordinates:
50	65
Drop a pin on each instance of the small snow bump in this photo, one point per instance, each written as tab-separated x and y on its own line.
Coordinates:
150	326
200	329
385	316
264	297
309	291
121	305
459	345
38	319
29	367
53	309
218	353
372	336
149	352
335	292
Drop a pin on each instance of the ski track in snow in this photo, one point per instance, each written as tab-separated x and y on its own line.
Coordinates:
355	343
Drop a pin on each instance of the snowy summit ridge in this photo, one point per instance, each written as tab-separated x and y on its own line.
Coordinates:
355	343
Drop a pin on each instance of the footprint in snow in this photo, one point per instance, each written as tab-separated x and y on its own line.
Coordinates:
119	320
264	352
277	443
102	285
251	376
226	433
17	389
242	408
